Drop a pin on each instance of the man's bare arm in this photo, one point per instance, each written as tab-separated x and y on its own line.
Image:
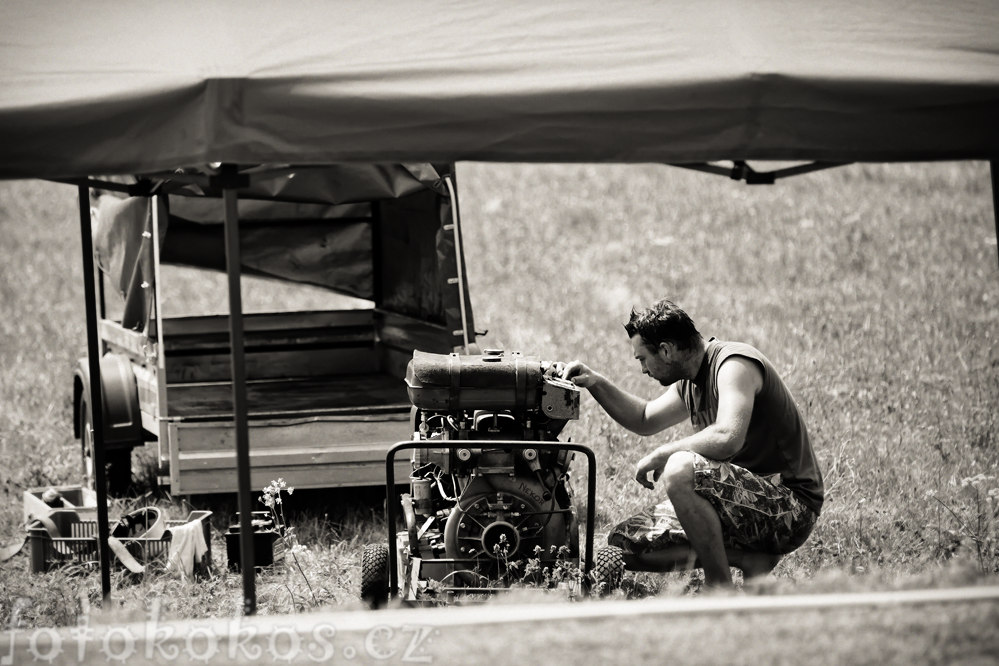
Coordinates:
643	417
739	380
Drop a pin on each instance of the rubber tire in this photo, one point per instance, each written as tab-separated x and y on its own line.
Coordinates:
117	462
375	574
608	570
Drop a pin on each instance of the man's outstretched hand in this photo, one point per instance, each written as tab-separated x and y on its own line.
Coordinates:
576	372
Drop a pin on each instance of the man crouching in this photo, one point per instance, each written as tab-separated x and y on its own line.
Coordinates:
741	491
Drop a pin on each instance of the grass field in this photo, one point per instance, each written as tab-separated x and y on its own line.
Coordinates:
873	288
938	634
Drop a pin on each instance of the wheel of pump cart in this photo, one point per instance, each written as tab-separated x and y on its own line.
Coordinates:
117	462
608	570
375	574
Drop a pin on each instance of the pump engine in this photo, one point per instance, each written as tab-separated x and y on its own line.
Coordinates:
476	504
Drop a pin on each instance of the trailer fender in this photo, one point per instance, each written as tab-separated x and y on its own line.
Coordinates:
122	419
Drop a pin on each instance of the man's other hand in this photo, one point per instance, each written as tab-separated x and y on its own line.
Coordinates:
650	463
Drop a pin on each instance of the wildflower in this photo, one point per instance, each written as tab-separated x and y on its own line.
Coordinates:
271	498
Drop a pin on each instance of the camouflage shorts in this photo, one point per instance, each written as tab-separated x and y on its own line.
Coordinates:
757	513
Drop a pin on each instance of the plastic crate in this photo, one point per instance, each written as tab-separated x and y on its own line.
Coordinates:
77	541
76	498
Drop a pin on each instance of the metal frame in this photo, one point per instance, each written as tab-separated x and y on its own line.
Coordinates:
229	180
458	258
161	406
390	511
145	185
994	168
742	171
96	394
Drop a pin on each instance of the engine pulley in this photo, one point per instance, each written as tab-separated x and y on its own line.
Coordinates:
503	518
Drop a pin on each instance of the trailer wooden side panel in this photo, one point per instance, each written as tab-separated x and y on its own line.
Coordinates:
317	453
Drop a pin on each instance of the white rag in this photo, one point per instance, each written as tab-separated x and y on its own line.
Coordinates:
187	546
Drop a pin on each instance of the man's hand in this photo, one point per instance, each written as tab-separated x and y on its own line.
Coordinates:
650	463
577	372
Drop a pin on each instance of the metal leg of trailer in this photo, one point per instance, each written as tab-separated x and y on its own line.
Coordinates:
96	402
237	361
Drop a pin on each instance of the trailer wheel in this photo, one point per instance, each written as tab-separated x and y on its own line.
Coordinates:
375	574
117	462
608	570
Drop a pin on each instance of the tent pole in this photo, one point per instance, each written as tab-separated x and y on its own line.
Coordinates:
994	166
96	395
237	363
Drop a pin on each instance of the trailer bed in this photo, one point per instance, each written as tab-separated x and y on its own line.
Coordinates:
369	393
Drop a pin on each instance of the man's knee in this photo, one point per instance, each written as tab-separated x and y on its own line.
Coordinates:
678	476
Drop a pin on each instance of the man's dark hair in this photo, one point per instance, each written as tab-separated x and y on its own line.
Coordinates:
663	322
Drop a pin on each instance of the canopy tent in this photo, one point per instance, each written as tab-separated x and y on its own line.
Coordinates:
109	87
151	88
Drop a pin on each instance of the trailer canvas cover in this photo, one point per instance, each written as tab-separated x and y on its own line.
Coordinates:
109	87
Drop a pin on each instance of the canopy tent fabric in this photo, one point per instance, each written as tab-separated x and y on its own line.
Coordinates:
107	87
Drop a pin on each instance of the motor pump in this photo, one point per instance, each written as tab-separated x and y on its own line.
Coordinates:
474	504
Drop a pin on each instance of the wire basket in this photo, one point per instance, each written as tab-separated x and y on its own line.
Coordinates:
77	542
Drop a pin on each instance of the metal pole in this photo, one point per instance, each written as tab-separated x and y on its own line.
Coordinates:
96	402
459	267
994	165
237	363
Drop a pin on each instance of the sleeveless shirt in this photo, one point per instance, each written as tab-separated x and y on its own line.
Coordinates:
777	440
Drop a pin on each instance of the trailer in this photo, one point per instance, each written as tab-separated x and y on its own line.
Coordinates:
325	388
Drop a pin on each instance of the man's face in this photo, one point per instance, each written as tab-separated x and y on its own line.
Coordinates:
657	362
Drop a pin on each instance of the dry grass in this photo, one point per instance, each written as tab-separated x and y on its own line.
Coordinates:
873	288
958	634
